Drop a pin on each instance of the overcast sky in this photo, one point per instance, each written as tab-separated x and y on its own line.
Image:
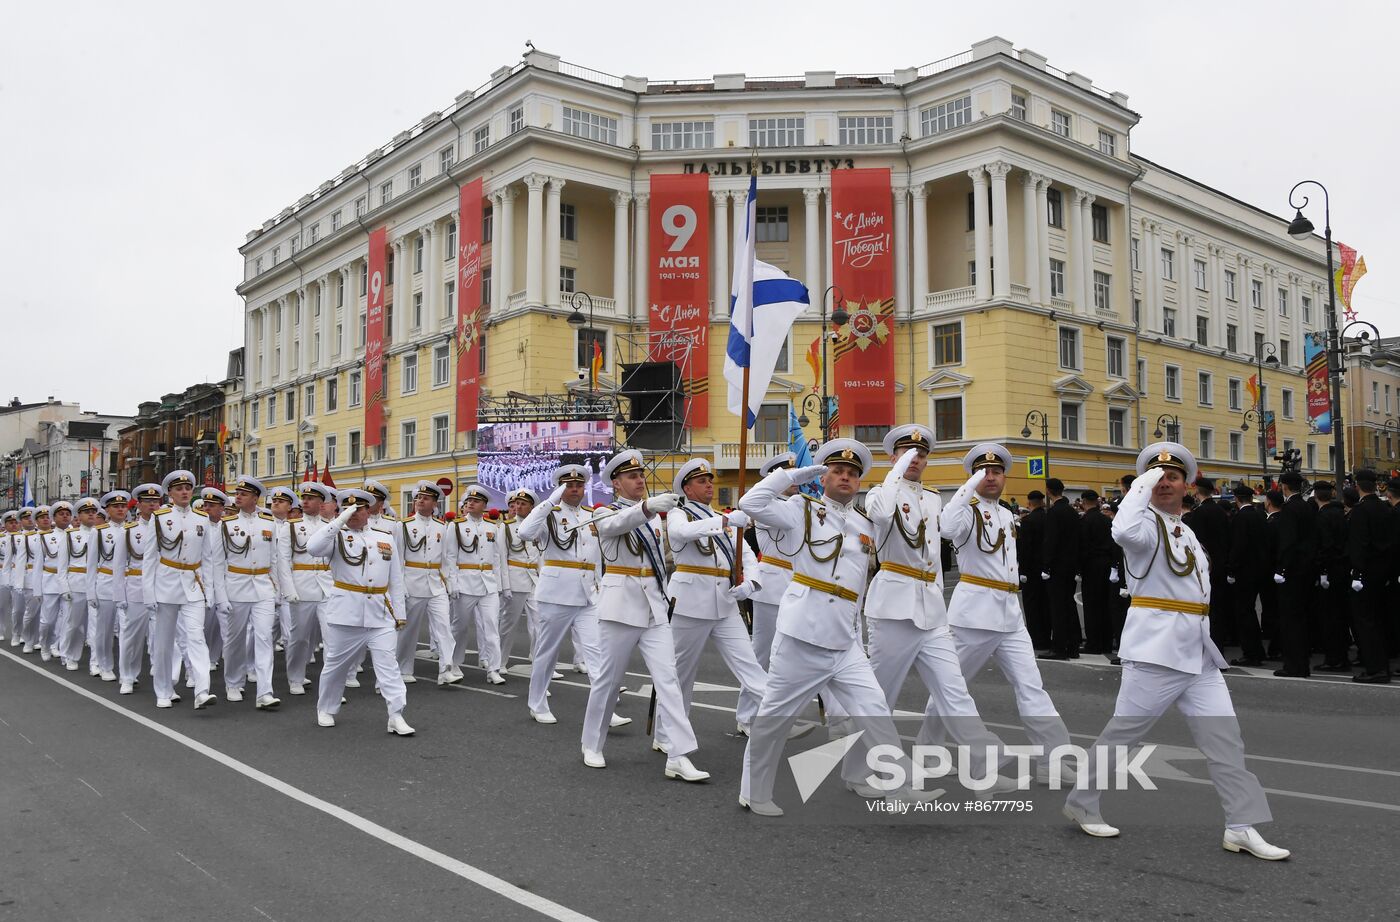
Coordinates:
141	141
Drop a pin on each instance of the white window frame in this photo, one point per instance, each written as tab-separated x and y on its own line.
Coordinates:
1108	143
778	131
688	134
1205	388
442	434
446	158
1060	332
408	438
1122	373
1079	434
584	123
1057	278
860	130
1108	419
1167	374
1103	291
516	118
481	138
1286	402
332	447
1020	108
1234	394
1236	446
408	373
415	176
1205	441
945	116
934	399
933	343
442	362
1198	273
1168	259
1230	293
1061	123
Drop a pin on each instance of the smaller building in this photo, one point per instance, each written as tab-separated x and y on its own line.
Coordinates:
179	431
62	451
1372	405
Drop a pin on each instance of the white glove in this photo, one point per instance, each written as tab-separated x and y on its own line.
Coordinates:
806	474
151	609
556	495
293	597
1125	593
507	595
1146	482
1324	582
67	596
223	608
742	591
968	486
1023	580
1113	575
1278	578
1044	575
901	465
1356	585
737	519
92	603
454	594
1230	580
121	606
662	503
344	515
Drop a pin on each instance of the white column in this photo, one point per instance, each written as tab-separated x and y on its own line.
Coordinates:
250	342
323	360
1029	182
1001	232
919	192
979	234
1295	313
403	284
828	254
722	281
1086	251
640	269
1270	303
811	238
1248	324
294	330
500	285
505	235
1074	260
551	242
1042	234
345	314
901	249
621	201
534	241
283	327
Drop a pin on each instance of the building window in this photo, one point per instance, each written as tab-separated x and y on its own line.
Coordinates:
945	116
1287	396
1057	278
440	443
330	450
1108	143
408	438
1206	440
1312	453
418	243
271	462
361	206
1117	356
1168	321
486	285
1258	347
1018	106
481	139
1283	352
866	129
1098	215
446	157
332	394
1054	208
1230	285
1069	348
308	401
253	463
1142	376
1173	385
449	299
1168	264
481	353
364	278
772	224
256	407
871	435
450	250
948	419
1134	246
1232	338
415	176
408	373
583	347
568	222
1069	421
276	254
971	272
1202	331
1232	392
567	274
1117	427
1137	312
777	132
1198	273
1205	389
355	453
291	404
386	192
1373	408
258	266
314	234
382	449
417	310
1307	308
355	389
1060	123
517	119
1283	302
487	226
272	409
947	344
296	243
682	135
1236	446
1387	398
440	365
591	125
1256	293
1101	290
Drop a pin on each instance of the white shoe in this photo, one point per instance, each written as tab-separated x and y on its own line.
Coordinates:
359	669
1003	785
176	698
297	689
494	678
680	767
764	808
1068	776
352	682
15	641
446	678
553	675
163	703
544	717
28	648
619	721
410	679
234	694
741	729
860	789
266	702
126	689
660	747
204	700
1093	825
399	727
71	667
107	675
45	655
324	720
593	759
1249	840
94	671
279	646
189	683
581	668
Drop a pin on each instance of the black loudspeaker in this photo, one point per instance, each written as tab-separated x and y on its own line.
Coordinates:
655	405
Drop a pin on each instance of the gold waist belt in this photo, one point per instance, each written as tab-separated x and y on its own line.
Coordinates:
366	590
927	576
821	585
703	571
1186	608
989	583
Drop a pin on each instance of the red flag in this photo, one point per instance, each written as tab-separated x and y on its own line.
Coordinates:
595	366
326	478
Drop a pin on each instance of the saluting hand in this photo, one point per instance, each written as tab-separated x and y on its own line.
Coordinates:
807	474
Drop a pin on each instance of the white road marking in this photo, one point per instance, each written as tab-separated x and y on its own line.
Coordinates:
25	738
197	867
471	873
91	788
136	824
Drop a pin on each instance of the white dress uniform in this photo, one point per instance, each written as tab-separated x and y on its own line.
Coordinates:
107	584
134	622
774	572
34	582
817	645
309	577
246	548
707	600
476	568
7	552
522	573
425	547
1168	656
567	587
905	611
75	564
985	613
181	569
367	593
51	587
16	569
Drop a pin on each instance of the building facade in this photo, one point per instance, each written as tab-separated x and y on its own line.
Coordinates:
1372	408
179	431
1040	265
63	452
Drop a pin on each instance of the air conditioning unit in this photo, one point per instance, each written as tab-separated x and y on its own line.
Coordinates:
235	434
388	412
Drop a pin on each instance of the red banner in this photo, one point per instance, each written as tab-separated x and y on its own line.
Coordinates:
374	336
862	243
679	287
470	311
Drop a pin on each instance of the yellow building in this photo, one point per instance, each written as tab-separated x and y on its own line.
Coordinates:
1134	299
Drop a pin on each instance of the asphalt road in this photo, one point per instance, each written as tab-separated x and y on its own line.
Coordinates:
233	813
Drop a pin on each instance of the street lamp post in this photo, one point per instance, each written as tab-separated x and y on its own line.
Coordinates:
307	457
578	321
839	318
228	466
1300	228
1173	424
1038	418
1253	414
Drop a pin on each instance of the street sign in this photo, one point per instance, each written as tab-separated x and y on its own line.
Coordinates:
1035	466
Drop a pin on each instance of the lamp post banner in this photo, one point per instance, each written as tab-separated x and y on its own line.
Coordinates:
469	306
374	336
1319	391
678	283
862	245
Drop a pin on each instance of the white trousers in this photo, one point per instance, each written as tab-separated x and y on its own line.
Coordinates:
187	617
246	619
75	629
345	648
284	621
520	607
103	623
16	613
5	608
132	624
213	633
555	621
734	644
616	643
1015	657
484	613
796	672
1147	690
32	605
434	610
305	616
765	628
49	613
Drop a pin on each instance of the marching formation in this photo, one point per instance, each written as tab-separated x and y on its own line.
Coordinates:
222	583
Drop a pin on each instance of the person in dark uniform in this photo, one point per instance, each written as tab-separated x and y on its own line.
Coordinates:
1369	533
1030	549
1212	527
1392	489
1269	589
1246	571
1334	572
1060	565
1118	595
1097	546
1295	562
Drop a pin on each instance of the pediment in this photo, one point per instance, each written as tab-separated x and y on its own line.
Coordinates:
1073	386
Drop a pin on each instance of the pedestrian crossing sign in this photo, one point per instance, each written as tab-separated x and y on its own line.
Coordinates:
1035	466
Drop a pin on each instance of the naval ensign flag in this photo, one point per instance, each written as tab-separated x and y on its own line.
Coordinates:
763	304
